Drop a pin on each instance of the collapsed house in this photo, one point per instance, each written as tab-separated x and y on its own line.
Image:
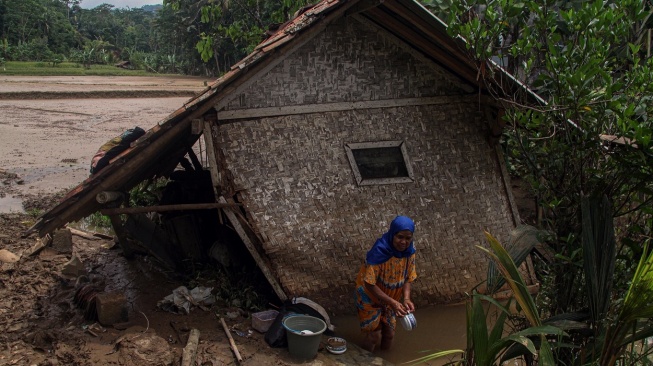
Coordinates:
352	113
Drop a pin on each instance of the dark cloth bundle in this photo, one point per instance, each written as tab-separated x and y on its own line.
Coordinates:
114	147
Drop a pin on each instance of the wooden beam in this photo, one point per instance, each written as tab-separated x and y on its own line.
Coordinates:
343	106
507	186
211	144
165	208
189	353
232	344
123	240
196	126
252	250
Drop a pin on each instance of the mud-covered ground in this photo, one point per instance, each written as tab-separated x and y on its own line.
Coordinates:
47	142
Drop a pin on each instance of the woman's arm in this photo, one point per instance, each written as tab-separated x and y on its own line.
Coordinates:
408	304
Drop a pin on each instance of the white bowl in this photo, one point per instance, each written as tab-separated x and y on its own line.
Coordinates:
408	321
336	345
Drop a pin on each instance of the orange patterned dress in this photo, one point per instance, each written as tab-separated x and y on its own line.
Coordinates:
390	277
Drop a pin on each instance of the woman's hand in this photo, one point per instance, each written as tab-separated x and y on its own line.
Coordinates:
399	308
409	306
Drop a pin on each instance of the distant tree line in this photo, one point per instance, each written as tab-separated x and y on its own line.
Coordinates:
194	37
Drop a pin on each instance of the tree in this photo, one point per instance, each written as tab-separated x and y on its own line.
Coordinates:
592	136
226	31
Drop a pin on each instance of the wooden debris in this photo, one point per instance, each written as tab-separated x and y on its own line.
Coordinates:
38	246
231	340
190	351
83	234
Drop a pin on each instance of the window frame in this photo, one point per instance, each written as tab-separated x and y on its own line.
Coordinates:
375	145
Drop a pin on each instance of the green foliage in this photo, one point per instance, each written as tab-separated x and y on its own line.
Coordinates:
147	193
632	324
522	241
65	68
97	220
588	60
182	36
498	343
225	31
34	212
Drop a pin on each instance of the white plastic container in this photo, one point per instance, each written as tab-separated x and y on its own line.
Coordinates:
408	322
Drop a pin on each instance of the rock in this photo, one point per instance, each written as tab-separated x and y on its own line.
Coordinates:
8	257
145	349
62	241
111	308
74	267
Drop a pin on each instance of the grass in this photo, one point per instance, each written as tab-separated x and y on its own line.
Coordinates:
28	68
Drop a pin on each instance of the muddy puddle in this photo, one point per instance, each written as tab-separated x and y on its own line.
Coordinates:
439	328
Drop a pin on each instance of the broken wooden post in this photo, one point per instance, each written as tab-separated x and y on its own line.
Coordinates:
108	196
231	341
190	351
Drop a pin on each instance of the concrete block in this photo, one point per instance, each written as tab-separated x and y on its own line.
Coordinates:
62	241
111	308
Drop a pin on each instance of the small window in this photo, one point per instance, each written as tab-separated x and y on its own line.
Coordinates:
380	162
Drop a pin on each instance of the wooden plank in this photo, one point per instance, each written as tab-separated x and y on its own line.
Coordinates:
507	186
211	144
252	250
334	107
180	207
123	241
189	353
234	348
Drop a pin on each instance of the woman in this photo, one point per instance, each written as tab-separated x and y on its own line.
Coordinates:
383	283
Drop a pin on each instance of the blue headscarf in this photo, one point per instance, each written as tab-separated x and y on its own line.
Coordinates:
383	248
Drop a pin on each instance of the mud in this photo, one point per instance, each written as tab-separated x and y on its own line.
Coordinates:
46	146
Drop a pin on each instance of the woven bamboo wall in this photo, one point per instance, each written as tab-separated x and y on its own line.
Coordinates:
347	63
300	191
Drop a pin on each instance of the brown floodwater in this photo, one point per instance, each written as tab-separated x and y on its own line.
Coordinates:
439	328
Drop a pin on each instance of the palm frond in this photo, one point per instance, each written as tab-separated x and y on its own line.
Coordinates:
599	248
514	279
522	240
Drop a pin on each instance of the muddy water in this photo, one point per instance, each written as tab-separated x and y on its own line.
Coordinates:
439	328
9	204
